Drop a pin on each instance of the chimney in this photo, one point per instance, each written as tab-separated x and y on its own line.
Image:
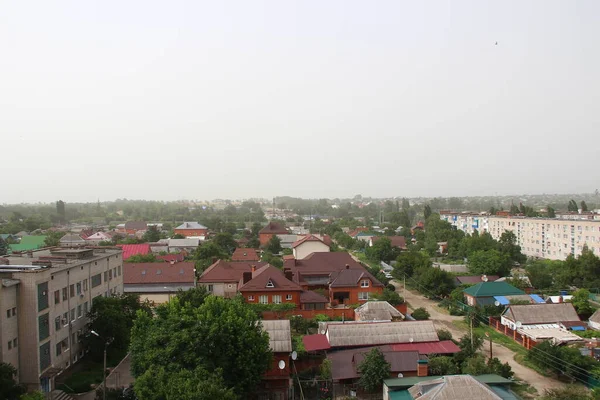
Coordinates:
288	274
422	366
347	266
247	276
253	268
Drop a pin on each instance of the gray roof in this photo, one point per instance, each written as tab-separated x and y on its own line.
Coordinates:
280	340
189	242
71	238
595	316
191	225
543	313
377	311
452	387
370	334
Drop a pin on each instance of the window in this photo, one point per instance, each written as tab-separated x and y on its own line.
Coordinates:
363	295
56	296
58	349
57	324
42	294
72	291
14	311
96	280
72	314
65	319
270	284
85	307
364	283
263	299
8	313
288	296
115	272
119	270
110	274
250	298
85	285
78	288
79	315
210	288
15	343
276	299
105	276
10	344
43	326
64	294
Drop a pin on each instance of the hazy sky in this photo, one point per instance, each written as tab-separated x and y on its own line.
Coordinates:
221	99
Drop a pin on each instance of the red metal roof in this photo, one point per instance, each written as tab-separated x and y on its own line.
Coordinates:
172	257
160	272
134	249
315	342
443	347
307	238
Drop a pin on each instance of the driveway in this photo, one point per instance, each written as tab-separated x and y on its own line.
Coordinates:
444	320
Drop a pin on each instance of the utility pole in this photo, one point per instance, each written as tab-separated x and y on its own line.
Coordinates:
490	339
471	324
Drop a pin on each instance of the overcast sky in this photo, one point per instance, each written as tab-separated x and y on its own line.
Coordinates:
223	99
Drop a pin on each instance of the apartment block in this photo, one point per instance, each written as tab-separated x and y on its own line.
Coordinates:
44	299
550	238
467	222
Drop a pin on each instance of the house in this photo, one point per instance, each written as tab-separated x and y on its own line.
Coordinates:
594	321
272	228
359	334
134	250
307	245
287	240
191	229
244	254
224	278
188	245
483	293
396	241
134	227
365	236
352	286
377	311
28	243
171	258
275	383
474	279
355	232
310	300
518	299
97	237
71	240
464	387
269	285
158	282
314	271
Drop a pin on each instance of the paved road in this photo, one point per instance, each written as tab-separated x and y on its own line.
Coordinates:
444	320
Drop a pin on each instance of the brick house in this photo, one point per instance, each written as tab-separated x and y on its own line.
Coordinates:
272	228
158	281
307	245
224	278
244	254
353	286
268	285
191	229
133	227
314	271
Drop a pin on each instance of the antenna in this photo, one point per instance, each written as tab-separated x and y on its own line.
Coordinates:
411	340
294	355
322	331
519	324
400	375
281	364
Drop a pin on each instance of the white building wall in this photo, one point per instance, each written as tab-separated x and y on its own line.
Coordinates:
303	250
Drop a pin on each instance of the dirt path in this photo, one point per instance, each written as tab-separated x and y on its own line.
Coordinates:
444	320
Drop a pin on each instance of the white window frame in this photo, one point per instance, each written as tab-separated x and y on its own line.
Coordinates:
364	283
276	299
263	299
250	298
288	297
210	288
363	295
270	284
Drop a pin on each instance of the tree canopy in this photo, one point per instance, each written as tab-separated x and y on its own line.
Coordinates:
373	370
9	388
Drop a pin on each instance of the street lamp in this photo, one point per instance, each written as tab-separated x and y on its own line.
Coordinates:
106	343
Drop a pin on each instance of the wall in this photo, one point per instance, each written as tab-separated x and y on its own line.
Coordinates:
346	313
354	291
9	326
303	250
191	232
264	238
256	296
222	289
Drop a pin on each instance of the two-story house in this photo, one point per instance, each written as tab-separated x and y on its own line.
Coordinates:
268	285
353	286
224	278
272	228
191	229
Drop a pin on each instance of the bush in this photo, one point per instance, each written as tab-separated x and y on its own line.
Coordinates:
444	334
391	287
420	314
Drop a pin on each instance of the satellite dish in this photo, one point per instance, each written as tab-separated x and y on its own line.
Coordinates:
281	364
496	303
322	331
294	355
411	340
400	375
519	324
484	278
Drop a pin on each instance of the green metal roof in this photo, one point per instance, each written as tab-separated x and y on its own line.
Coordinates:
488	289
29	243
400	395
400	383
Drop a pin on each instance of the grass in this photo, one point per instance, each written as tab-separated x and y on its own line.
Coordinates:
87	372
524	390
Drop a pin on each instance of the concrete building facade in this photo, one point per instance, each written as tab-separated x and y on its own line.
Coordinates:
44	299
467	222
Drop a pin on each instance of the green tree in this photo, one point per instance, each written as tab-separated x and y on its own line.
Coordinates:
373	370
434	281
567	392
194	297
9	388
53	238
390	296
584	206
37	395
152	234
207	253
442	366
444	334
226	242
177	236
572	206
143	258
581	302
3	247
221	333
275	261
158	383
475	365
550	212
427	211
253	243
408	262
467	347
539	273
274	245
381	250
508	245
325	369
420	314
489	262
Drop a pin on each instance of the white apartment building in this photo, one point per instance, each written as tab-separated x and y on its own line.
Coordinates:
550	238
44	298
467	222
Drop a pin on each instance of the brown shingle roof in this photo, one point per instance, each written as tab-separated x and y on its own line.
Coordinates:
307	238
309	296
243	254
547	313
136	225
323	263
223	271
352	277
160	272
344	363
274	227
269	274
396	241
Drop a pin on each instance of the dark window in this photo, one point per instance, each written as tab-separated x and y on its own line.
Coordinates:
42	296
44	326
64	294
96	280
44	356
56	296
72	290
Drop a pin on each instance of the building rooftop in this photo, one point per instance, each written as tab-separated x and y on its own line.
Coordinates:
344	363
134	249
274	228
55	258
225	271
269	278
136	225
280	339
351	277
191	225
307	238
370	334
377	311
489	289
244	254
543	313
159	272
323	263
28	243
453	387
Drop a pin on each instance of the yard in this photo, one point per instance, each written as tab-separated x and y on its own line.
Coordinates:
87	372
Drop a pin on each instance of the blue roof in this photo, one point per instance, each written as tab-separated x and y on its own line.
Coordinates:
502	300
537	298
577	328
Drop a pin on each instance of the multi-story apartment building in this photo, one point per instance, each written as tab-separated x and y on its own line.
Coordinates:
467	221
550	238
44	298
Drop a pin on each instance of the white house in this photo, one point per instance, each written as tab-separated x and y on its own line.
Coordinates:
98	237
307	245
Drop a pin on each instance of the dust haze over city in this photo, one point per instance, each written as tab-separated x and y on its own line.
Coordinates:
203	100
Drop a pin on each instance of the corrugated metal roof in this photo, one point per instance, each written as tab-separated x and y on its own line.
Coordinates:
369	334
453	387
280	339
315	342
377	311
490	289
546	313
134	249
191	225
441	347
537	298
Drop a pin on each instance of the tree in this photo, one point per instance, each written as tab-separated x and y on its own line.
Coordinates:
274	245
221	333
467	347
53	238
475	365
381	250
567	392
581	302
143	258
9	388
373	370
572	207
408	262
508	245
3	247
226	242
550	212
489	262
253	243
427	211
158	383
207	253
539	273
434	281
444	334
584	206
268	257
325	369
152	234
420	314
390	296
60	211
194	297
37	395
178	236
442	366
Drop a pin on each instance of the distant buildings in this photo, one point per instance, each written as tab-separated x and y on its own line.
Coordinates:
158	281
272	228
191	229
